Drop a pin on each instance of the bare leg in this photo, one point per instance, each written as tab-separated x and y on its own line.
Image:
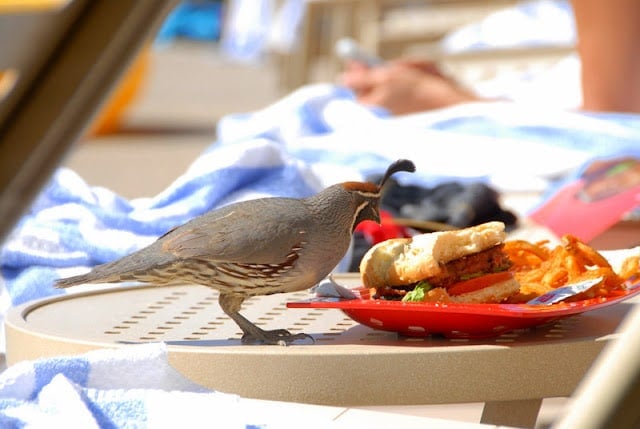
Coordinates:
608	44
231	304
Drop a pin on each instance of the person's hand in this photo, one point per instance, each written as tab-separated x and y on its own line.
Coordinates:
404	86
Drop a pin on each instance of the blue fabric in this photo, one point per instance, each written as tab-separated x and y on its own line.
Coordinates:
82	391
198	20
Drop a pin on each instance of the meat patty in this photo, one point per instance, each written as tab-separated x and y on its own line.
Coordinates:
488	261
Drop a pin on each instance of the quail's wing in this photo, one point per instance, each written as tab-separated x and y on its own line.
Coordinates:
239	233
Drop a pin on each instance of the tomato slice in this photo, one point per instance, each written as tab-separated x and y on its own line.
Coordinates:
477	283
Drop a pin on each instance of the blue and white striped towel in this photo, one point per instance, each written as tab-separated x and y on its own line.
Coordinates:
134	387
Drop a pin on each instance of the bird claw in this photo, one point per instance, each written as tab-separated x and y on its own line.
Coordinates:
280	337
253	334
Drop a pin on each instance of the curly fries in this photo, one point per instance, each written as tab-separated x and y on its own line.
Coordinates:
540	268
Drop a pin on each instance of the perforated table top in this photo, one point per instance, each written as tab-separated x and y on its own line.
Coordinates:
348	364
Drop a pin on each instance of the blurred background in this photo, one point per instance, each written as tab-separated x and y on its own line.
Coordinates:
212	58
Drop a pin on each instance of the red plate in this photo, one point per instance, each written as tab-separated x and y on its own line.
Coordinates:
457	320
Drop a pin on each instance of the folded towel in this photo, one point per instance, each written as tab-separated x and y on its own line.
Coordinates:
132	387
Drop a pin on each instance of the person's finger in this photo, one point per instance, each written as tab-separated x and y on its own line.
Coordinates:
358	80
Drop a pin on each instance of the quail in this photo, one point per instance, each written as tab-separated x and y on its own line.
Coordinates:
256	247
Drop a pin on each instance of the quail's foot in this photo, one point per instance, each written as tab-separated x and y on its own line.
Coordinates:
276	337
253	334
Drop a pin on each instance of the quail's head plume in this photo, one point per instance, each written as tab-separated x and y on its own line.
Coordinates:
256	247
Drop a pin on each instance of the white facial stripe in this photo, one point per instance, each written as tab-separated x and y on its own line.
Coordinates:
370	194
358	210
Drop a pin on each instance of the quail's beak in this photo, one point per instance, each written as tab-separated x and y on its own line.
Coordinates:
369	211
376	218
376	214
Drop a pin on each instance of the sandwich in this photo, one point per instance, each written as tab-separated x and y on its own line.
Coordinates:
465	265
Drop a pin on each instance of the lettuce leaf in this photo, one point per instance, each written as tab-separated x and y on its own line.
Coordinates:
418	293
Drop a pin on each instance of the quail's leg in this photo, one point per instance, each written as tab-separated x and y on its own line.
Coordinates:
231	304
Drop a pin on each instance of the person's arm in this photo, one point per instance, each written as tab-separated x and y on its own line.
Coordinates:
609	49
404	86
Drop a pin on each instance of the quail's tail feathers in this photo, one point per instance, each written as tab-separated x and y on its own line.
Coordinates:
130	268
77	280
107	273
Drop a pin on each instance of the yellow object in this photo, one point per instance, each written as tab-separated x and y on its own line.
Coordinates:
111	115
29	5
8	79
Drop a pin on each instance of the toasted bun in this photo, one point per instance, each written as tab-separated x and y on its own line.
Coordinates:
493	294
404	261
